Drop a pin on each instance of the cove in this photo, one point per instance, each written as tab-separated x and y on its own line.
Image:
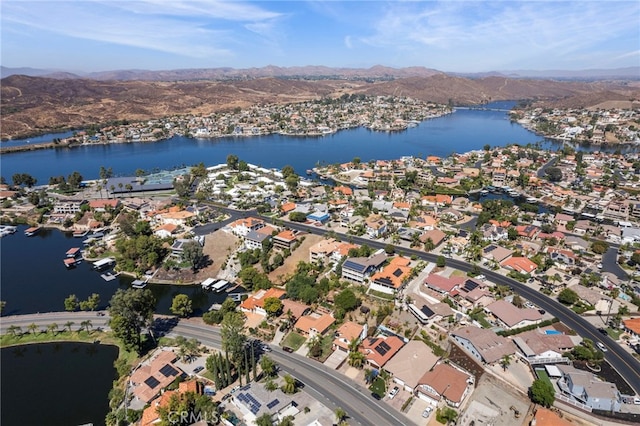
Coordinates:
57	384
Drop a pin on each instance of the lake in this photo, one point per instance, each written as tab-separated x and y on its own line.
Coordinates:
462	131
34	279
56	384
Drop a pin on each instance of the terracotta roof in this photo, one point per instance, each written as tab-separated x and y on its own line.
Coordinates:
297	308
520	264
395	272
448	381
286	235
545	417
632	324
379	350
257	299
318	323
345	190
347	332
287	207
98	204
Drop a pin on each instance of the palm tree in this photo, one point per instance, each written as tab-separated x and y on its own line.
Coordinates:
505	362
32	328
14	330
270	385
86	324
356	359
290	384
340	414
53	328
369	375
68	325
353	344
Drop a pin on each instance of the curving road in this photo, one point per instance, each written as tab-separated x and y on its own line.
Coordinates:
621	360
326	385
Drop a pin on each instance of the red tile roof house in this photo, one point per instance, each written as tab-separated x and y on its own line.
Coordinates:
632	326
511	316
446	382
411	362
347	333
284	240
519	264
443	285
379	350
483	344
255	302
149	379
392	277
310	325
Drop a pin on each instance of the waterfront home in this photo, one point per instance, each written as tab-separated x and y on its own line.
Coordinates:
101	205
445	382
410	363
255	302
348	332
151	414
68	206
483	344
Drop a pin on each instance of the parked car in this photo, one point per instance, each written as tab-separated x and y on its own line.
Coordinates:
427	412
394	392
603	331
287	349
198	369
266	348
602	347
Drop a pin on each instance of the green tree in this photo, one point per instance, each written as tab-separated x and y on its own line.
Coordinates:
232	161
33	327
232	333
193	254
52	328
181	305
3	304
346	300
290	384
71	303
568	296
93	302
130	311
356	359
599	247
297	217
441	261
264	420
268	366
273	306
505	362
542	393
340	414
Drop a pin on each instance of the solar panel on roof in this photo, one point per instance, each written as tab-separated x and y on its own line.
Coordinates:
381	351
168	370
470	285
427	311
490	248
152	382
273	404
244	388
384	345
397	272
353	265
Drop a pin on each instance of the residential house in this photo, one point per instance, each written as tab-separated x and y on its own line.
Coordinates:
68	206
287	208
493	232
588	389
510	316
392	277
284	240
379	350
255	302
360	268
519	264
254	400
150	378
375	226
537	345
443	285
445	382
151	414
410	363
632	326
256	239
435	235
426	312
349	331
593	297
485	345
166	230
241	227
563	256
101	205
293	310
313	324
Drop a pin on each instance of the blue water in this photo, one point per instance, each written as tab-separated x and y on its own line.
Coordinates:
462	131
552	332
37	139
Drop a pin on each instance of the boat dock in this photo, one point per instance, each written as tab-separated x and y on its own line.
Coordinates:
108	276
80	234
30	232
73	252
220	285
139	284
104	263
71	262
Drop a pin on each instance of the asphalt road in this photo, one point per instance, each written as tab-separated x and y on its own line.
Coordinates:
610	263
621	360
326	385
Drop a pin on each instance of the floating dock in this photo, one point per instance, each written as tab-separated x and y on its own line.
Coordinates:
30	232
138	284
71	262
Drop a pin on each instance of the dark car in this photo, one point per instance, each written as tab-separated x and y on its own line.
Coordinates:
198	369
603	331
287	349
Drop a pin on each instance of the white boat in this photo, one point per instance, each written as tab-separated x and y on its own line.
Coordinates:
7	230
138	284
532	200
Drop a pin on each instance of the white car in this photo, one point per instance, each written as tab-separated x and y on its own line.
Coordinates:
393	392
427	412
602	347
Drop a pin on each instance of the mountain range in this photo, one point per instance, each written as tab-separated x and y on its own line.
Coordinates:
39	104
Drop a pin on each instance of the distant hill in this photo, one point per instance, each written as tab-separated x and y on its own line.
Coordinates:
39	104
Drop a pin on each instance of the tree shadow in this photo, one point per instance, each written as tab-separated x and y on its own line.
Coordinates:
163	326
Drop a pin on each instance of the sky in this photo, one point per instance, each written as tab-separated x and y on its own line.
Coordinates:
450	36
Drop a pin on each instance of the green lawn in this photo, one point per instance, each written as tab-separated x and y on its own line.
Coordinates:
381	295
542	374
480	317
614	333
378	387
294	340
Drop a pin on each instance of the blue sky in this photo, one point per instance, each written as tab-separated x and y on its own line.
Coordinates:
452	35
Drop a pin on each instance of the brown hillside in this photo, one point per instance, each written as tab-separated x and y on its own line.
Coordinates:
35	104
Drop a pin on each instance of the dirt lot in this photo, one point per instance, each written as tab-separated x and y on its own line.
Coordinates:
217	246
278	276
500	397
